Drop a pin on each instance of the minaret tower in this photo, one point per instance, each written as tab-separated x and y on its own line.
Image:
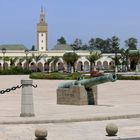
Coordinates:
42	33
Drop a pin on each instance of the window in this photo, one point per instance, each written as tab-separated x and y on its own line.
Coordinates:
41	48
41	34
42	41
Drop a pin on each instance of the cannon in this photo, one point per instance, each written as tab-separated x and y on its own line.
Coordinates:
82	91
87	83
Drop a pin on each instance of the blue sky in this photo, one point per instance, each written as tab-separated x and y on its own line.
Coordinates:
69	18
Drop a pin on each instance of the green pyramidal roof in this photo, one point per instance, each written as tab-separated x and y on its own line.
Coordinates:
13	47
62	47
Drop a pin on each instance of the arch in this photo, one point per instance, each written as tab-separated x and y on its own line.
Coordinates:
39	66
26	65
5	65
60	66
79	66
86	66
99	65
111	65
13	65
33	66
19	65
133	65
52	66
46	67
105	65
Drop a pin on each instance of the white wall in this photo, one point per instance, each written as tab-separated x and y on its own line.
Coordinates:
42	41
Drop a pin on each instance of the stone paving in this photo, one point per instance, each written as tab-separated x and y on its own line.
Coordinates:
116	100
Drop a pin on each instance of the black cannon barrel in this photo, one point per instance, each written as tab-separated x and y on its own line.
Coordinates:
87	83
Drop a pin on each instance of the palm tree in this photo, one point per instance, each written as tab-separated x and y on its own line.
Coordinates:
28	61
116	60
20	60
134	59
12	61
55	60
115	42
131	44
124	58
70	58
36	59
48	61
92	58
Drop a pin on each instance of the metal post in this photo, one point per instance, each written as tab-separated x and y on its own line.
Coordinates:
27	107
26	53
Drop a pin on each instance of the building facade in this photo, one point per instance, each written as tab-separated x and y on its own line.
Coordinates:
19	52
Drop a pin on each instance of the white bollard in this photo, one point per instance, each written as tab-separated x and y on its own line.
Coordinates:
27	107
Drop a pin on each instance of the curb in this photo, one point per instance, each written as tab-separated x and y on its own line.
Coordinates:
72	120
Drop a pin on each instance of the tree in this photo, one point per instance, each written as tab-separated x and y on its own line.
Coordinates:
70	58
77	44
134	57
124	58
20	60
131	43
85	47
115	42
106	46
13	60
48	61
28	61
99	43
36	58
92	44
92	58
95	44
33	48
55	60
61	40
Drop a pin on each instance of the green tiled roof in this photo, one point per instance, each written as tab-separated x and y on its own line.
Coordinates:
62	47
13	47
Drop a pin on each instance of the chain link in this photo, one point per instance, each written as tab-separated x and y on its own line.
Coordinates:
14	88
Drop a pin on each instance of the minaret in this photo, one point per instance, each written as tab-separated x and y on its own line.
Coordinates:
42	33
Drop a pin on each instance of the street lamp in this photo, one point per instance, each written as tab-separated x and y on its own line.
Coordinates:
116	50
3	51
26	53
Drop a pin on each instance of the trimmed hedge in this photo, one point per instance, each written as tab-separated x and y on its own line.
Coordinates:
121	77
43	75
56	75
15	71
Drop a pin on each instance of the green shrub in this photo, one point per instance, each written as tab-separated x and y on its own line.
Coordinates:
121	77
15	71
38	75
42	75
56	75
74	76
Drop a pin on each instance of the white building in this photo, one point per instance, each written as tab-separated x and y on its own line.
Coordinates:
19	51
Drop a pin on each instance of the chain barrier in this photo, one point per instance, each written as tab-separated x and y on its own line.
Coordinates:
14	88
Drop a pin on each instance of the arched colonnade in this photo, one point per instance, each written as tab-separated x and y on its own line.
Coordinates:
82	64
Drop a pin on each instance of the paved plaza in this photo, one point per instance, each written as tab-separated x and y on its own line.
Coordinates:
118	102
